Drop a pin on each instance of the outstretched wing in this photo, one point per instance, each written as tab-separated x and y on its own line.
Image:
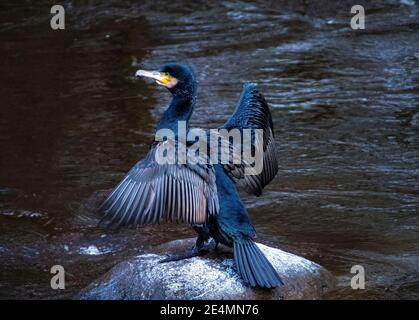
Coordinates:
152	191
252	112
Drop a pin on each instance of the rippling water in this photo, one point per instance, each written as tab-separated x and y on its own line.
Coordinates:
346	114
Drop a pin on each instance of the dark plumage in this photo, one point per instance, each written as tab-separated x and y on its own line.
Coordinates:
202	195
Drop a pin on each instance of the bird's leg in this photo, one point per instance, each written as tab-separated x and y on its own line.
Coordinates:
216	246
203	245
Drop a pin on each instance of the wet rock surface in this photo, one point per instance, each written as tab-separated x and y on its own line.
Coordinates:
211	276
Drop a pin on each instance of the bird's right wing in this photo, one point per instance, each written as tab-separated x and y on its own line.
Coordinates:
152	191
252	112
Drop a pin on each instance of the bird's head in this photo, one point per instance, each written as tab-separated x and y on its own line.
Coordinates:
178	78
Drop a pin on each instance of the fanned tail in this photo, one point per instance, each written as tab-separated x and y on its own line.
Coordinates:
253	266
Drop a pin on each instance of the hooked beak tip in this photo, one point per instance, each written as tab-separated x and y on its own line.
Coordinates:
138	73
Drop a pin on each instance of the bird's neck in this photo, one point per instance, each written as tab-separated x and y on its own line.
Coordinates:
180	109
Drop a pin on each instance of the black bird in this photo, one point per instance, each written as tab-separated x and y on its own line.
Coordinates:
202	195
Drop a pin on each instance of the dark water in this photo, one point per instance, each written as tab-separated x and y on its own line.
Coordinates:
346	115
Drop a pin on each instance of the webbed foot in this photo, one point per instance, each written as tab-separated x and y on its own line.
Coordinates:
196	250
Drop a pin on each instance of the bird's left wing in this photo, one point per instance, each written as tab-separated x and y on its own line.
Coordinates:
252	112
152	191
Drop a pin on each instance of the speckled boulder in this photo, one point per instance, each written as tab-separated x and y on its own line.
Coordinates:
211	276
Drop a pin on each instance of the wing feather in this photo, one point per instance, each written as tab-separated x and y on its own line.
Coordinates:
252	112
151	192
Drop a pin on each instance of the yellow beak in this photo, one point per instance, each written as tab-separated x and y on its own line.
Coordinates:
160	77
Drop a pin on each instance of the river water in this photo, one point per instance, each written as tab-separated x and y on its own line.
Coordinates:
345	105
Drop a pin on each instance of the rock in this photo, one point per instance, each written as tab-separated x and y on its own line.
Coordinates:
211	276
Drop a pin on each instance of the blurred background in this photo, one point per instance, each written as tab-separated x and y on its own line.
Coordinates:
346	114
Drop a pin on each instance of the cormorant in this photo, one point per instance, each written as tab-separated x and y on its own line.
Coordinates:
202	195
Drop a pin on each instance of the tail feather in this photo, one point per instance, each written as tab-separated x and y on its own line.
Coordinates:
253	266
